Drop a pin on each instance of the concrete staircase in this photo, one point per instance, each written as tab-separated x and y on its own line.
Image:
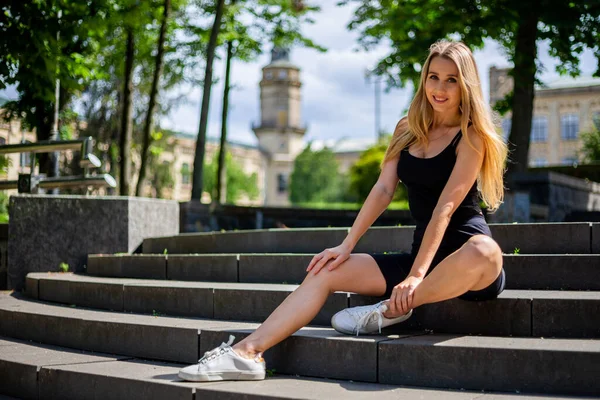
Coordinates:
123	329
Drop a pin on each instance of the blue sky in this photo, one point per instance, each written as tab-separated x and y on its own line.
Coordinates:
336	100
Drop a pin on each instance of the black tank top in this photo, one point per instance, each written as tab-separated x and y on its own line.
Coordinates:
425	179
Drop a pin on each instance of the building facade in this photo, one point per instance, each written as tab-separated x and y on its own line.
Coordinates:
13	133
562	110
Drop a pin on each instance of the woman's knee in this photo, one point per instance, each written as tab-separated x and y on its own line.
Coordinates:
323	278
484	252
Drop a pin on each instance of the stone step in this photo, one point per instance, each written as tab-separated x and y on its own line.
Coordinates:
28	369
539	238
524	271
514	313
550	366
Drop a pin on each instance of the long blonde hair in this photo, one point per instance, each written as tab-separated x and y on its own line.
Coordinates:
473	109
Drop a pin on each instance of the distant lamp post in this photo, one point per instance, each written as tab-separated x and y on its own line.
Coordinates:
371	76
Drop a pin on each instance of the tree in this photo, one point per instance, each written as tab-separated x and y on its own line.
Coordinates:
201	141
126	120
33	57
411	27
221	172
315	177
102	99
238	182
158	71
591	143
364	173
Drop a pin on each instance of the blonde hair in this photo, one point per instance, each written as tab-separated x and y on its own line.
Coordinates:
474	110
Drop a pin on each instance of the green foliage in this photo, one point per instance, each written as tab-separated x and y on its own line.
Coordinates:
237	181
516	250
33	56
590	150
4	201
315	177
411	27
63	267
394	205
5	164
364	173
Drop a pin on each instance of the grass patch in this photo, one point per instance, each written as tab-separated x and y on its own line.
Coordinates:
395	205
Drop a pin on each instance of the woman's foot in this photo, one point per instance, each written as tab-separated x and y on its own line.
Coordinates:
223	363
365	319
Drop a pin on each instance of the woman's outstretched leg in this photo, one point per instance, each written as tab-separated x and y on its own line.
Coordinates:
359	274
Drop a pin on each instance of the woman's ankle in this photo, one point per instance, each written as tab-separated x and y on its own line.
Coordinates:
246	350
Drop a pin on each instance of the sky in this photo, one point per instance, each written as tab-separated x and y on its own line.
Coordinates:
336	100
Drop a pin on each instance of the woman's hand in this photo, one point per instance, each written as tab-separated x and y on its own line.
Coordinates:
402	296
338	254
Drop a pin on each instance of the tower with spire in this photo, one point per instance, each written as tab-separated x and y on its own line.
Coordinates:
280	133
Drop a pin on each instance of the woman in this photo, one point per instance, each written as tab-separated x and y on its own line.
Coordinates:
448	154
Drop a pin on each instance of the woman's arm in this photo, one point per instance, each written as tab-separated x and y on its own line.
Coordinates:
379	198
465	171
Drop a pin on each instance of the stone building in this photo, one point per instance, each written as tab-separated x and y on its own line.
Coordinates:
12	133
562	110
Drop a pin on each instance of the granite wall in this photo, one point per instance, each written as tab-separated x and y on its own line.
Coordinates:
45	231
561	194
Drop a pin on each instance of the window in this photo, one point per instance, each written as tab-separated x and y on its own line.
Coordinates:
506	127
569	160
596	120
269	75
281	183
539	162
539	129
569	126
283	74
185	174
25	159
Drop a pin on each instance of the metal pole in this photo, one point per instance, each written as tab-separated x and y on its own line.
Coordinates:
378	108
54	157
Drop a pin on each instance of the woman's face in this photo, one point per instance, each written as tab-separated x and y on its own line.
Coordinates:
441	85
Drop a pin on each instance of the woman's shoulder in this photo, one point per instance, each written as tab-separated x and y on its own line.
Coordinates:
401	126
474	138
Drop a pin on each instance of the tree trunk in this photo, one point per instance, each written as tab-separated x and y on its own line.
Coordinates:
201	141
158	69
522	107
126	121
221	196
43	125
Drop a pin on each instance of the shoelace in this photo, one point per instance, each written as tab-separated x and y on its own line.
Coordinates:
376	311
216	352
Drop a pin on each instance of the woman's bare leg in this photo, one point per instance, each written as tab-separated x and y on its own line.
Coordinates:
472	267
358	274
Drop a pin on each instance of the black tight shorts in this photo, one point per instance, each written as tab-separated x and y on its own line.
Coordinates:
396	267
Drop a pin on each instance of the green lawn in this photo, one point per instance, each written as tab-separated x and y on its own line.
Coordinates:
396	205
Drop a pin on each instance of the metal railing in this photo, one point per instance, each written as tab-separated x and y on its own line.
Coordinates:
30	183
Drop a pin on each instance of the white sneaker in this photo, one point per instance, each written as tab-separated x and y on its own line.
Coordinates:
365	319
222	363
